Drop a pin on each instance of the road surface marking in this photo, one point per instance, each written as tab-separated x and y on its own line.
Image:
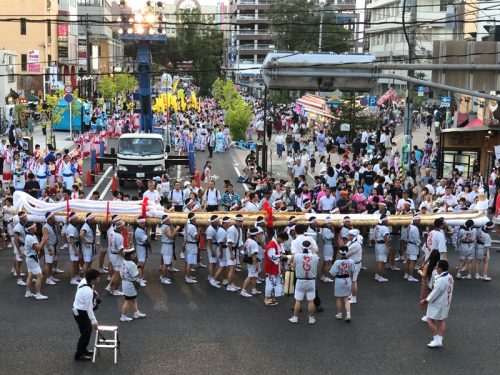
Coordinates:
99	182
239	175
105	191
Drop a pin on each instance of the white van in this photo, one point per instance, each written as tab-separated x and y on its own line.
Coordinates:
140	155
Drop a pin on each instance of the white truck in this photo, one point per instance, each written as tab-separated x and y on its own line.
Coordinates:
140	156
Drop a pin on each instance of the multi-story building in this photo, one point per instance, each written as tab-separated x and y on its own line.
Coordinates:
67	41
97	37
33	38
8	79
384	37
250	39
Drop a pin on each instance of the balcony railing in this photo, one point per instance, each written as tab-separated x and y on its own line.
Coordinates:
257	47
255	2
251	17
253	32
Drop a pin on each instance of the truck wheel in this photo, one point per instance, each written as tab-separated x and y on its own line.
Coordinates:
121	182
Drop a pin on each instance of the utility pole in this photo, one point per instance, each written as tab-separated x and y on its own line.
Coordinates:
89	50
410	36
321	4
264	145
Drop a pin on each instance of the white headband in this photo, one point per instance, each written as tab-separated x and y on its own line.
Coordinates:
142	220
51	215
91	216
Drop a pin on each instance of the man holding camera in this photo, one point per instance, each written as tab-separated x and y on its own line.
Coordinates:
86	301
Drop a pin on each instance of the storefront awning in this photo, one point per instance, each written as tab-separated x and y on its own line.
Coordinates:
315	104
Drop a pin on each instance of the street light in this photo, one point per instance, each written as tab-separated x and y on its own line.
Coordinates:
321	4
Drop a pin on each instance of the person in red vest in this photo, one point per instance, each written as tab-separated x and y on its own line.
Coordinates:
272	267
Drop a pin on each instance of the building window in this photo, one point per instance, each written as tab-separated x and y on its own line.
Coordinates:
443	4
49	58
24	62
49	28
23	26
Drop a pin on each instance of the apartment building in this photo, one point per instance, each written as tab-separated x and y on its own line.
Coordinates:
33	38
67	41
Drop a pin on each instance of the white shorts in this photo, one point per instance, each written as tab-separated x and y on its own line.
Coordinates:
357	270
167	249
411	256
305	288
328	252
211	259
141	255
479	255
116	261
191	258
33	266
50	258
229	261
467	252
87	254
222	263
380	253
253	271
72	256
167	259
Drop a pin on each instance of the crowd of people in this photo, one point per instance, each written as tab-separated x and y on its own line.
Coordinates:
367	180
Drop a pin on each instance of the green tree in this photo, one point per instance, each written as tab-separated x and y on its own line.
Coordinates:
238	118
296	24
356	116
279	97
124	83
107	87
238	112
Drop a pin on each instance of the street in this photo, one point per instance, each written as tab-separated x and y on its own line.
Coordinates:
197	329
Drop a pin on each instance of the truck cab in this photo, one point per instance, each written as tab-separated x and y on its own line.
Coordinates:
140	156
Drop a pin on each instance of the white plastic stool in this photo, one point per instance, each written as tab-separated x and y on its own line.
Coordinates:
104	343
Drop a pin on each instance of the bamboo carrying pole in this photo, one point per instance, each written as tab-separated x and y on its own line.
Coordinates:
282	219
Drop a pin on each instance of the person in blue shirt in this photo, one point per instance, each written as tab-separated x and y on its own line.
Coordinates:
418	155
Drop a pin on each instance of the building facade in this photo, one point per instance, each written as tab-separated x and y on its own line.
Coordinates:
67	41
8	79
97	44
385	39
33	38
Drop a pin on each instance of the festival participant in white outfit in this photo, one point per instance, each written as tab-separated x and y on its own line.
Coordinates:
483	251
191	237
436	239
412	239
73	237
234	244
306	270
31	250
67	173
18	240
467	246
168	236
129	274
212	249
328	238
355	252
87	240
382	247
42	173
272	268
343	270
50	234
116	254
439	301
18	172
222	247
252	260
142	246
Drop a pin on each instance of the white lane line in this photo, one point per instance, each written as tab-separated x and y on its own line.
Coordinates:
239	174
99	182
105	191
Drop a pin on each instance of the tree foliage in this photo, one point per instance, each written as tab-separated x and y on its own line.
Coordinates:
111	85
296	24
357	117
238	112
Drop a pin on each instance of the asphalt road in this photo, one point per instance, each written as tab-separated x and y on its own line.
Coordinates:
196	329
